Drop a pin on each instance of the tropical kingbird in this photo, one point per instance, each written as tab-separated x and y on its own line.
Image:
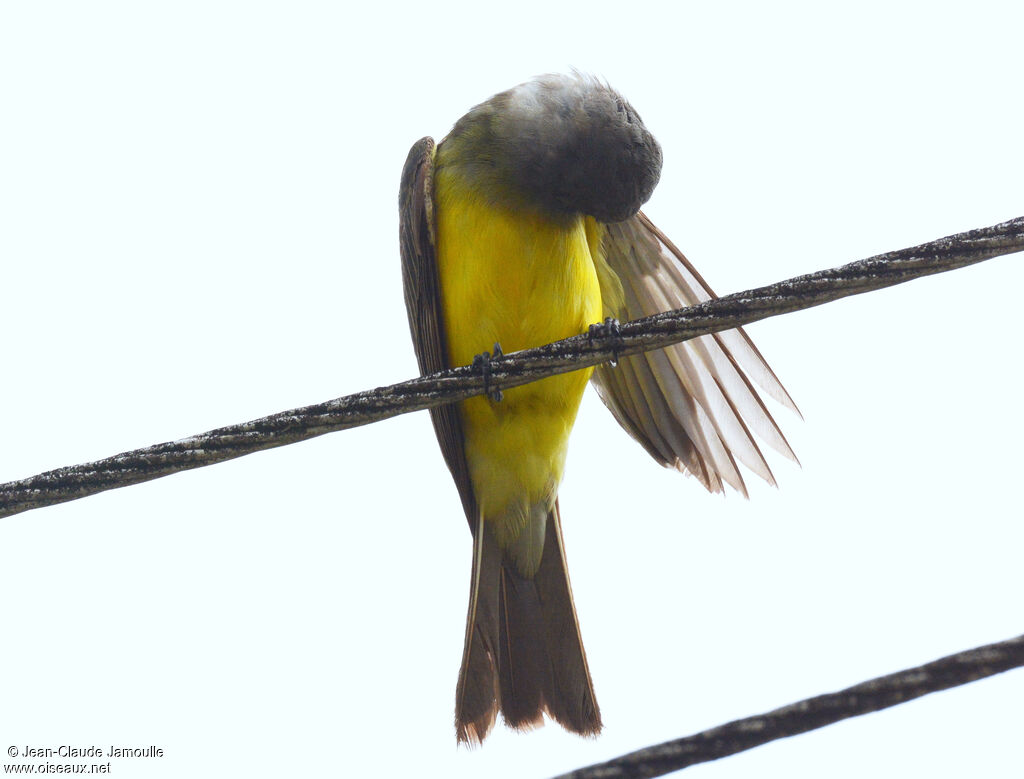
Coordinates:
520	228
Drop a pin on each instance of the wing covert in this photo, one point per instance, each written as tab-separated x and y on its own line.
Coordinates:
417	238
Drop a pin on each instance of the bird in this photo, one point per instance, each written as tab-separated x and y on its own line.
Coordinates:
523	227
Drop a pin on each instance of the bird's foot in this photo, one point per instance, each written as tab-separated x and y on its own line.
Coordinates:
609	329
482	362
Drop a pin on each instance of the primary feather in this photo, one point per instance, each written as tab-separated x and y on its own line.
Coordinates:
693	405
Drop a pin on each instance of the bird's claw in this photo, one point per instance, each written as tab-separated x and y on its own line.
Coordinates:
611	330
482	362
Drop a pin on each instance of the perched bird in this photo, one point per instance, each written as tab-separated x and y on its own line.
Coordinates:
520	228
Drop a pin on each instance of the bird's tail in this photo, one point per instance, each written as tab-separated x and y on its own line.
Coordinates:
523	652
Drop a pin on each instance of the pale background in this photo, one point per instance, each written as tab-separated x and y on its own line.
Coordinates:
198	226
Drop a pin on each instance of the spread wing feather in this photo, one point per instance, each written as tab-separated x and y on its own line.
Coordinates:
693	406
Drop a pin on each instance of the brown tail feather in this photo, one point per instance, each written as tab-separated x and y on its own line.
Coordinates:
525	670
477	693
523	650
570	699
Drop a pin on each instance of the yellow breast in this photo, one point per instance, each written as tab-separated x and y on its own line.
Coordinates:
519	279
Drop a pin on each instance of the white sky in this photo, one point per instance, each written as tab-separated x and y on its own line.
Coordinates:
199	227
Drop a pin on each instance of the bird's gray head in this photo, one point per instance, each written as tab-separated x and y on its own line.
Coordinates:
569	144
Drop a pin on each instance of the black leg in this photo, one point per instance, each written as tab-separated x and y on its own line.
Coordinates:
608	329
482	362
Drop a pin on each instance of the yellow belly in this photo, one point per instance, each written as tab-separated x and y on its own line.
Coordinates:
520	280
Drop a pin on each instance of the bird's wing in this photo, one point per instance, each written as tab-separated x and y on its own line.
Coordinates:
423	303
693	406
